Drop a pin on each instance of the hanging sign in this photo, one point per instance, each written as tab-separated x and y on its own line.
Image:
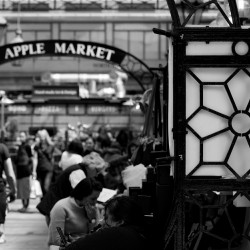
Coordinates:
92	50
50	109
18	109
105	109
56	91
76	110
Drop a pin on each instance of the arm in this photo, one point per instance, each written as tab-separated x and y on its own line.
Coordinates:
97	240
11	178
34	163
58	217
62	160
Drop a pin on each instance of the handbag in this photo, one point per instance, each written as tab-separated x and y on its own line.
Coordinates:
36	190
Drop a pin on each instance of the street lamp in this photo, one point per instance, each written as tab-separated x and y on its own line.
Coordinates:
18	38
4	101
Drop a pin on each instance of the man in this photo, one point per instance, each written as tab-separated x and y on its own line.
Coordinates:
7	168
24	167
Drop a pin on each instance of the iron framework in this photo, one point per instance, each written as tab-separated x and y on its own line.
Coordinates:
204	212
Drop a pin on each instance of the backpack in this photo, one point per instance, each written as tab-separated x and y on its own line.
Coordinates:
23	158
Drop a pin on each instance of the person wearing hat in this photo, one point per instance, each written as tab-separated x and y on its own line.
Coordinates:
75	215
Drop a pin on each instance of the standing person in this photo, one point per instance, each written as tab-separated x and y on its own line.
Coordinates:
89	145
7	168
43	152
24	169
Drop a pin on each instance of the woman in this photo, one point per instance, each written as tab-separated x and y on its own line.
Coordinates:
75	215
123	228
73	155
24	170
43	154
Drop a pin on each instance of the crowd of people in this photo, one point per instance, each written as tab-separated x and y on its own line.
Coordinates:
72	172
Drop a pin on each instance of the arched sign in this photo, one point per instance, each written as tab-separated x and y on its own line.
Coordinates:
129	63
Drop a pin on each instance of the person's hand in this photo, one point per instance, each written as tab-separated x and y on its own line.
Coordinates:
64	246
34	175
91	212
11	197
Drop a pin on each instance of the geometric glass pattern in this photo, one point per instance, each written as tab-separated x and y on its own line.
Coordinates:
218	123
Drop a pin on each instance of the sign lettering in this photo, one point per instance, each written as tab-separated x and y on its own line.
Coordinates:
103	110
85	50
24	49
76	110
61	48
50	109
18	109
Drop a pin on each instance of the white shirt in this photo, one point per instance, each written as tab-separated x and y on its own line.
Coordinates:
69	159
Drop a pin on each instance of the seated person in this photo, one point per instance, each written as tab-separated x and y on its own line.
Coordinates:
123	228
76	215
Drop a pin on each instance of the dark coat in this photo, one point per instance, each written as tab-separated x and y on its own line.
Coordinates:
58	190
113	238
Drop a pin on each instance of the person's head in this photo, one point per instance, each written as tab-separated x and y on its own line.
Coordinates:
30	140
44	136
103	140
94	164
123	210
131	148
75	147
89	144
87	191
22	136
118	161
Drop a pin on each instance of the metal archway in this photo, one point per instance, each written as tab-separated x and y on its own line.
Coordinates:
128	62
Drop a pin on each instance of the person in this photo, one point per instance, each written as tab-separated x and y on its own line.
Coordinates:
24	170
89	145
132	146
73	155
123	228
7	168
113	178
76	215
92	166
43	153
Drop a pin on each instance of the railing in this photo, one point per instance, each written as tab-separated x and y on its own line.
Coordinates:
83	5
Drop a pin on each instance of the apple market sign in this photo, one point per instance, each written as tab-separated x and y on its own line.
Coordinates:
61	48
112	55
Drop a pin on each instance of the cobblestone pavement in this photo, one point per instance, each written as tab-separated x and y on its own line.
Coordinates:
25	231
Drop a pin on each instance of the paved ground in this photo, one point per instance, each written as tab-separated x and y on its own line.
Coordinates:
25	231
